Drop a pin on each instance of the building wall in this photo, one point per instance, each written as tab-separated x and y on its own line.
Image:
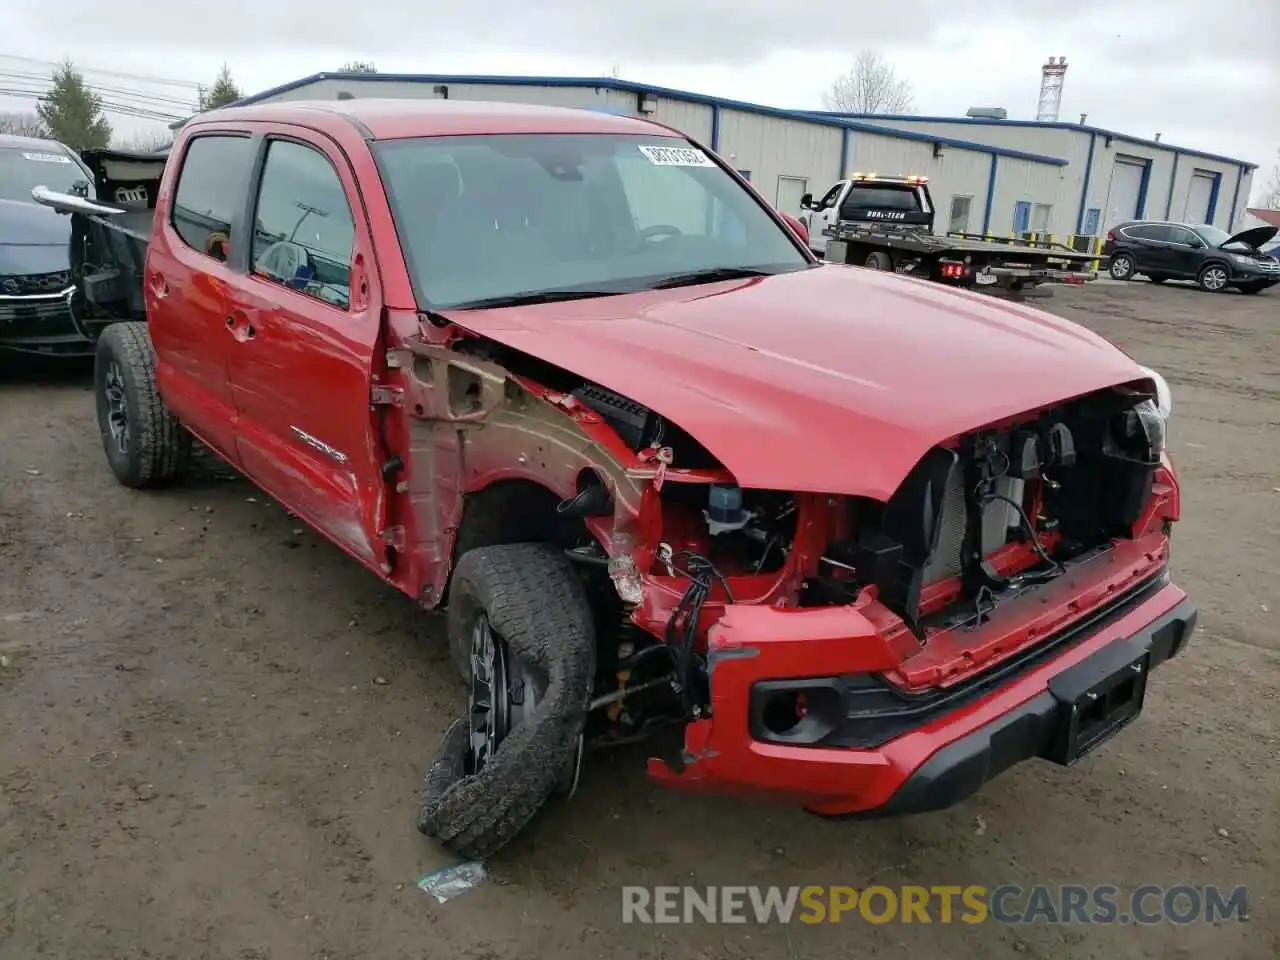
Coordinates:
778	153
771	148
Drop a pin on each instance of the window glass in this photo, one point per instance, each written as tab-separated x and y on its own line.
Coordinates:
883	198
303	228
1182	235
39	163
211	192
959	221
485	220
832	196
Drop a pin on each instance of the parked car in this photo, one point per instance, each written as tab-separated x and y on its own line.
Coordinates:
868	540
1213	258
36	289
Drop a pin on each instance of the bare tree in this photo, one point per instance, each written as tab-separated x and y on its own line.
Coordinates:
23	125
870	86
147	141
1271	196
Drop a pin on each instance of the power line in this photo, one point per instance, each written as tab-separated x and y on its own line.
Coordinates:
164	81
108	106
129	92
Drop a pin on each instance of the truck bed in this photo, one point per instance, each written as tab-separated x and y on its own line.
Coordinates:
918	241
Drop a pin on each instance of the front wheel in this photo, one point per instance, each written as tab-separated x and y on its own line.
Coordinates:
1122	267
145	446
524	619
1213	278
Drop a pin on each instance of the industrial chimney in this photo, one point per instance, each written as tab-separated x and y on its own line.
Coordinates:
1051	77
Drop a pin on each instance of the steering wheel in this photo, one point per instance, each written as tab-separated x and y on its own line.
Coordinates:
660	230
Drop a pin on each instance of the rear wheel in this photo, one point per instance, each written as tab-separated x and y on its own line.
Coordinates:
1122	267
1213	278
878	260
145	446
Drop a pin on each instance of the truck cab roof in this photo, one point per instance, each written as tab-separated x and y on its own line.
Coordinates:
392	119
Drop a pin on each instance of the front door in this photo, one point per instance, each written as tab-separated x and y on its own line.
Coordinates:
1185	252
188	284
824	214
305	323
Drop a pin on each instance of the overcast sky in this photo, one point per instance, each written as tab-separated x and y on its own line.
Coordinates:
1204	75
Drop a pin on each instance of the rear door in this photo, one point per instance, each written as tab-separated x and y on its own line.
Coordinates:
305	322
188	280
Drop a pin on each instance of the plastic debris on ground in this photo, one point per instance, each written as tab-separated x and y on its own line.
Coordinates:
450	882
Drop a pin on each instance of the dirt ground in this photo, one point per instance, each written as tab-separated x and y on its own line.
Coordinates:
214	726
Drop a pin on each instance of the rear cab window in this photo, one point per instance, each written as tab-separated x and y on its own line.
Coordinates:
211	190
303	229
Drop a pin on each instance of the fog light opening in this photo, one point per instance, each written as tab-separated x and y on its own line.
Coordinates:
784	712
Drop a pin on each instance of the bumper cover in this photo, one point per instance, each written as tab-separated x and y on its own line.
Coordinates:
947	755
42	324
1036	728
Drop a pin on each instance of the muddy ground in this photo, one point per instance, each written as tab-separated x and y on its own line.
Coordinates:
213	726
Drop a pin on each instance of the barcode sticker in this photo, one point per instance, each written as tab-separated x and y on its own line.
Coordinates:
676	156
47	157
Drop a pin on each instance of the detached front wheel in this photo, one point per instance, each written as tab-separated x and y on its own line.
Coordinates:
145	446
520	614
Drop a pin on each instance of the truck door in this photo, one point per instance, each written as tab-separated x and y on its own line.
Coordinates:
824	214
305	323
187	283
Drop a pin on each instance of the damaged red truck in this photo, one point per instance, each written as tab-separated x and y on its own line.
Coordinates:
860	541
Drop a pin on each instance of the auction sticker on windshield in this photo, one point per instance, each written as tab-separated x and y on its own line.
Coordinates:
47	157
676	156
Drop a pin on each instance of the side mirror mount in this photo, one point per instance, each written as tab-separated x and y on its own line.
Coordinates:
806	202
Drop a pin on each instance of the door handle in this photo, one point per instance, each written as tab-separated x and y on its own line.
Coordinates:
242	331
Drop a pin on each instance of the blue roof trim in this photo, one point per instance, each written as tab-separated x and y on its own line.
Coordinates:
1051	125
627	86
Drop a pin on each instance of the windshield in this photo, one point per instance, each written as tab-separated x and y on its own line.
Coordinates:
1213	236
488	219
23	169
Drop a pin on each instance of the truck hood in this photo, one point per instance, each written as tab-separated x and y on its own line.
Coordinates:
831	380
33	239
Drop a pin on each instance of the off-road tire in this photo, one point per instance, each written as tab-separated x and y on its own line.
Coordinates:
535	601
1127	267
157	447
878	260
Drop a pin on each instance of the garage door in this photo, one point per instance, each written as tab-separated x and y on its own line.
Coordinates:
1123	191
1199	190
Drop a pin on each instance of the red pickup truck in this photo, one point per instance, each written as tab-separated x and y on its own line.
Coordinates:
865	541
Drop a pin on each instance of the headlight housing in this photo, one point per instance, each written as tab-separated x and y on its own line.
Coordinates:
1164	396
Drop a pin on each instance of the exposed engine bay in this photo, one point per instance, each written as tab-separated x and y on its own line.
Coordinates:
986	518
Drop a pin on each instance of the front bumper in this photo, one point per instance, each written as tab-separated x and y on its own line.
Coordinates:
948	754
42	324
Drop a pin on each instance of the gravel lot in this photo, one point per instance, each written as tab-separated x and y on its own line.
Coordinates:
214	727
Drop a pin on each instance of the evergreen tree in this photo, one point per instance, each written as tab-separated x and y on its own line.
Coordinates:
72	112
222	92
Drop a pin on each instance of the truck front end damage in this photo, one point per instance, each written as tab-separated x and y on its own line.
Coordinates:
855	656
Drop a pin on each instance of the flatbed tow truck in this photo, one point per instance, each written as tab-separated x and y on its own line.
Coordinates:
886	223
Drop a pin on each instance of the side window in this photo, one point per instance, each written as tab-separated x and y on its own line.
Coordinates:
832	196
1183	236
211	192
958	222
303	228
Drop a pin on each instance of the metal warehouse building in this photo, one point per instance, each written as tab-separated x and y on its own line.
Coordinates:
987	176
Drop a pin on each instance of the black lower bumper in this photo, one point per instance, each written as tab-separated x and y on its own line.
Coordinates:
41	325
1083	707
